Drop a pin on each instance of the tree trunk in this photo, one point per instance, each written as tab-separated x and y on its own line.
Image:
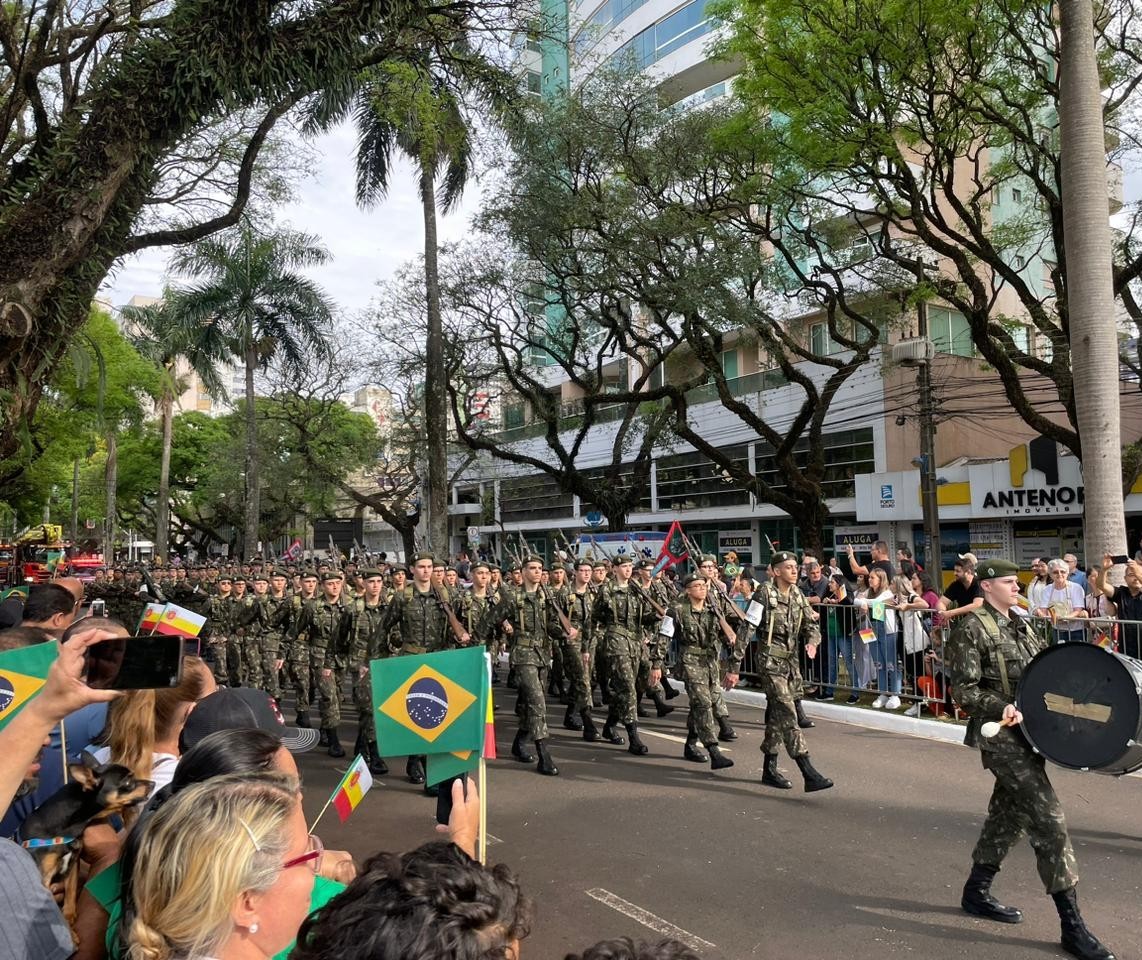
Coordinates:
253	505
162	521
1090	289
111	478
75	500
435	400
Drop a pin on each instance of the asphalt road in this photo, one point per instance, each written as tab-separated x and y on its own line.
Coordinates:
617	845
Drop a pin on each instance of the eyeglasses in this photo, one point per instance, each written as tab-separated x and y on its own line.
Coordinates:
313	855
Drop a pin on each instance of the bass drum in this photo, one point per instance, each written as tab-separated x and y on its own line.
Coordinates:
1082	708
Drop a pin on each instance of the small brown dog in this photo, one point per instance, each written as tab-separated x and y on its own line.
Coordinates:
53	833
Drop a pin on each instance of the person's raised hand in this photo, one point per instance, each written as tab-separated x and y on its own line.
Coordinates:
463	827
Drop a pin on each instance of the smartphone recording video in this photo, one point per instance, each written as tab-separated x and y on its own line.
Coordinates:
135	663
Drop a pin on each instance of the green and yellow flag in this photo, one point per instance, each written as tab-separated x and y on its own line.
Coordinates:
22	674
432	703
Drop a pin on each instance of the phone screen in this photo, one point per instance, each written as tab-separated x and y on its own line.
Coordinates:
135	663
1120	558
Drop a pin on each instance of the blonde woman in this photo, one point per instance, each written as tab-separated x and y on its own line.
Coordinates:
244	893
879	605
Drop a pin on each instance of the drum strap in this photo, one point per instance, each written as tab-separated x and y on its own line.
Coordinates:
984	616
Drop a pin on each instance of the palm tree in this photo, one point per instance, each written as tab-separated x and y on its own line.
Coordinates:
264	308
415	107
1090	283
164	335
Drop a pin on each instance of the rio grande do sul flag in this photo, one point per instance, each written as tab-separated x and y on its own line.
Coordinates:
352	788
22	674
432	703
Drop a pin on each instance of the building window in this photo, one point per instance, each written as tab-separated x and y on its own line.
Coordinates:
1017	195
1019	262
730	364
534	82
821	340
949	331
513	415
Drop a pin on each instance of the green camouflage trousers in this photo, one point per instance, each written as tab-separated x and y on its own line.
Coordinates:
299	677
271	682
530	706
1024	802
703	679
578	679
252	662
234	661
782	726
642	678
329	697
363	698
622	671
217	647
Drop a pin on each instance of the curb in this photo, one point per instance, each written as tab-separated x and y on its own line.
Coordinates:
859	717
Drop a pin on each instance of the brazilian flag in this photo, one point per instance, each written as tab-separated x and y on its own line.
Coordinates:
432	703
22	674
20	591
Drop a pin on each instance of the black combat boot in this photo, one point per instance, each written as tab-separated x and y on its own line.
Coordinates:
590	731
813	780
360	748
1077	940
725	732
802	721
771	776
693	751
640	711
637	747
335	748
519	751
571	721
978	901
718	760
610	736
660	705
323	738
670	692
376	764
546	765
414	770
303	719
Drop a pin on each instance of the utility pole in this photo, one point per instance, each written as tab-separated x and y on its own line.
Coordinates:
929	503
75	500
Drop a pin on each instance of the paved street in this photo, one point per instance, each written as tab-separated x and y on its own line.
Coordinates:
869	869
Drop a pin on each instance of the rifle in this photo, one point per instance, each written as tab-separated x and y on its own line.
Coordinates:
334	554
715	601
659	610
453	620
572	552
564	620
152	587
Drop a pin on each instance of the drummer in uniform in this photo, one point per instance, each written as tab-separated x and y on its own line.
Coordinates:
987	653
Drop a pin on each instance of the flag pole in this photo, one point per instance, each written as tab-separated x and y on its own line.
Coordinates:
63	750
482	847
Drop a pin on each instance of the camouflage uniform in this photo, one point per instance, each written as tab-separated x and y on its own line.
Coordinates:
368	642
327	627
619	614
247	622
272	619
788	623
986	654
476	615
529	613
656	590
218	610
699	637
295	650
578	607
718	599
420	617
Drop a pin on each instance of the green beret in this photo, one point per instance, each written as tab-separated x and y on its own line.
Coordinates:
708	558
332	575
261	576
225	578
280	573
623	558
692	577
478	564
398	568
599	563
534	558
781	557
644	564
307	572
992	569
372	574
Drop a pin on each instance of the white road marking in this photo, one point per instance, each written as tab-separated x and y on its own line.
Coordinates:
492	839
648	919
643	732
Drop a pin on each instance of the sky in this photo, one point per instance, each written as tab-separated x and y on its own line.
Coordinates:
367	246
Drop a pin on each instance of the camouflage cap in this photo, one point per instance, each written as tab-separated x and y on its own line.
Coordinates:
993	569
781	557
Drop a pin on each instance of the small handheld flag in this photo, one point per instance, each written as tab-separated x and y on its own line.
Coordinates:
349	793
867	635
22	674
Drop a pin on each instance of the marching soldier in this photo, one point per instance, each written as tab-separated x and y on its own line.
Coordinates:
236	640
524	617
578	652
424	628
788	623
715	598
326	623
656	591
296	650
476	607
699	635
619	614
218	610
987	653
369	642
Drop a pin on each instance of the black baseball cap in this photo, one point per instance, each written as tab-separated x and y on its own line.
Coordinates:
243	709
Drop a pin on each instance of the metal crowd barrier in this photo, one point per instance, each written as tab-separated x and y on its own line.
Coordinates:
848	666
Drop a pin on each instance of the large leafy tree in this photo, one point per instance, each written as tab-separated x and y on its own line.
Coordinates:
168	338
109	113
251	287
417	109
